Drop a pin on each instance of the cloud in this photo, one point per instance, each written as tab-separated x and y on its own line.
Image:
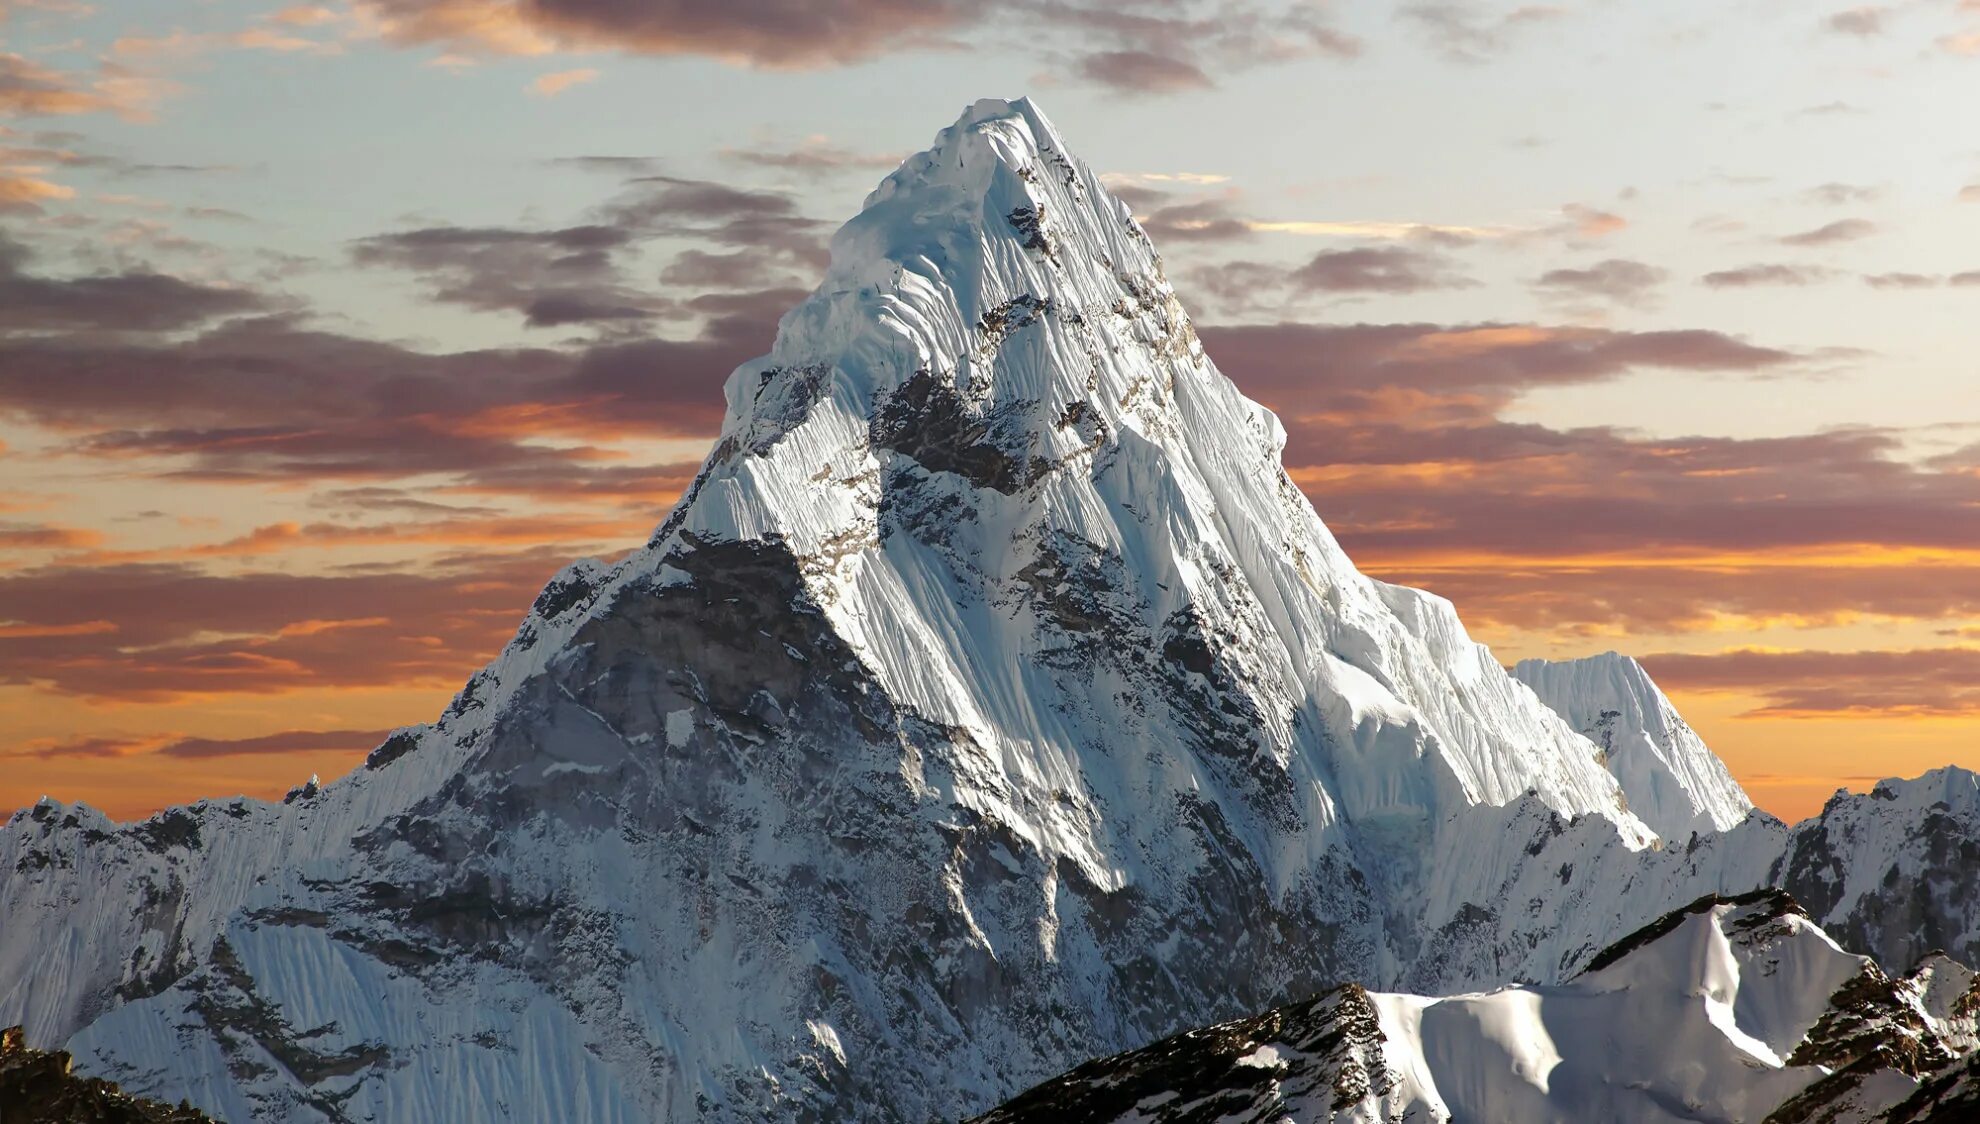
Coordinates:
1584	598
1172	46
1842	230
182	632
1202	220
1860	22
1142	46
556	82
1245	287
23	189
1347	366
554	278
766	222
285	741
611	165
1616	279
1842	194
700	269
1970	193
1590	222
813	155
589	273
305	15
1218	218
266	401
139	301
1142	72
1463	31
290	538
1965	44
1768	273
32	89
55	7
1917	682
1901	280
1377	269
45	536
261	745
776	33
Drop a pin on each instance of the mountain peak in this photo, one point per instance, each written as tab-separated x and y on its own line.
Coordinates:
977	274
1672	779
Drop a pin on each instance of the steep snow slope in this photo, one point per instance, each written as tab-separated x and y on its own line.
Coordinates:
1676	784
1949	994
1733	1009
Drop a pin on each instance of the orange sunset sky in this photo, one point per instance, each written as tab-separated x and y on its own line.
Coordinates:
329	332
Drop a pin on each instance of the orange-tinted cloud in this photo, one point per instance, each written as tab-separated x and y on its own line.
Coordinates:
768	32
556	82
1141	46
290	538
262	745
46	536
1919	682
183	632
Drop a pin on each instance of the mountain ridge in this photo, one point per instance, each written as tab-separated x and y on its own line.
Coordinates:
1731	1007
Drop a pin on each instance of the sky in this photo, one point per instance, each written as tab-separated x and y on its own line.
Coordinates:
329	332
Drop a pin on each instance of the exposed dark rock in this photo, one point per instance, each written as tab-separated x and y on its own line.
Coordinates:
1778	904
1324	1052
927	421
1030	222
37	1087
1951	1096
391	749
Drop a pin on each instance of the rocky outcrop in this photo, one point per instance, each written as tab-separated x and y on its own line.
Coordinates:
41	1087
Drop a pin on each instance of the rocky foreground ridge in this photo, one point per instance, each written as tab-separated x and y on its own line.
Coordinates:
1729	1009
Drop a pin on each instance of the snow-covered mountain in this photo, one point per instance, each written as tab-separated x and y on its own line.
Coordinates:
993	700
1893	870
1730	1009
1671	780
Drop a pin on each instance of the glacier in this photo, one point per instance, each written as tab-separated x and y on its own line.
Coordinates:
992	700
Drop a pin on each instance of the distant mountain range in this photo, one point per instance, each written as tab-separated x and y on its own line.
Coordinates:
992	701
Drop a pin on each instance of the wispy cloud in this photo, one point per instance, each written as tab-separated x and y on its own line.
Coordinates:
556	82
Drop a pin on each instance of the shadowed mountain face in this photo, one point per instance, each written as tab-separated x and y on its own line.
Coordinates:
1730	1009
993	700
39	1086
